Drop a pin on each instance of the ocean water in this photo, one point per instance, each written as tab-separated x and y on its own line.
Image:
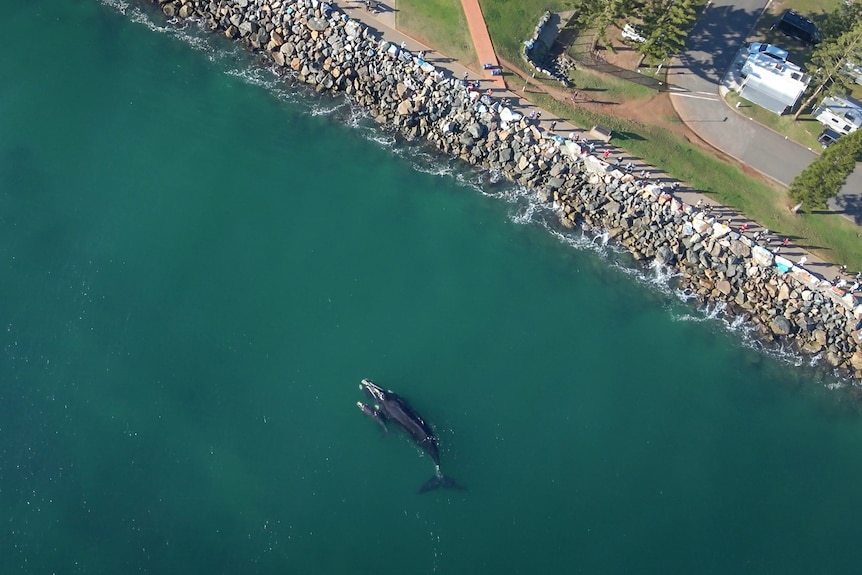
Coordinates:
200	263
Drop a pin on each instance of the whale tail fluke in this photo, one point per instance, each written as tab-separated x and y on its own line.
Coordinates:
440	481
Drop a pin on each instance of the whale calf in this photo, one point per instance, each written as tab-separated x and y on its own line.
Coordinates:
389	407
373	414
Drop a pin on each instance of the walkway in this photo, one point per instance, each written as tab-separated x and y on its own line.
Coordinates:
482	40
384	23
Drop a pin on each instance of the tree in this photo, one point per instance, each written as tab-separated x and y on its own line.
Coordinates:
601	15
841	20
825	177
665	26
828	64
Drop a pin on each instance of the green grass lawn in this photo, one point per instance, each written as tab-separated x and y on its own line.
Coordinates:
440	24
510	22
831	236
602	86
804	131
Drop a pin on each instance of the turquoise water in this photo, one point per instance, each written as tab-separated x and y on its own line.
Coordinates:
198	269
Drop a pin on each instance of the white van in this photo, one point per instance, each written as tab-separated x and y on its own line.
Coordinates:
632	33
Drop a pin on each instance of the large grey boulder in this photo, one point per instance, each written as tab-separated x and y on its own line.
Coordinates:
556	183
664	255
317	24
476	130
247	28
780	325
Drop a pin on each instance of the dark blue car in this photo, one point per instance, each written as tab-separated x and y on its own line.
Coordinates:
797	26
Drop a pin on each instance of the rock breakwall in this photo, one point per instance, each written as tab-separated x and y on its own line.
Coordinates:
331	53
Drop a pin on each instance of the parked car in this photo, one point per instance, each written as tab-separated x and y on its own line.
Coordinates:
632	33
795	25
828	136
775	52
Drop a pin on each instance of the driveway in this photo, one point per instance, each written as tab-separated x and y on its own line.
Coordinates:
695	77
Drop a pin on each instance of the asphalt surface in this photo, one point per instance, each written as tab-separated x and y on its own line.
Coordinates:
695	78
383	22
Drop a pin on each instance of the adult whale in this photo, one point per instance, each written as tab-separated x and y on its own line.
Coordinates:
389	407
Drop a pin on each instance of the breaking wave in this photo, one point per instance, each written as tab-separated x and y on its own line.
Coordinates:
526	206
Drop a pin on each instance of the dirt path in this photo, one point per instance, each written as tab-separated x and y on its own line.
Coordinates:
481	39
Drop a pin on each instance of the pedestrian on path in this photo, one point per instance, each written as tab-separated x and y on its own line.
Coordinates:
786	242
553	126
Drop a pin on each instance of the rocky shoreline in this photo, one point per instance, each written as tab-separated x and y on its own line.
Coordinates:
331	53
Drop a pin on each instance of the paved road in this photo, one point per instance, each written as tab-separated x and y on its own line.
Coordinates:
384	23
712	46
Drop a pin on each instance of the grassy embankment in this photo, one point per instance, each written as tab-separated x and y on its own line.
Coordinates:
440	24
830	236
509	22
